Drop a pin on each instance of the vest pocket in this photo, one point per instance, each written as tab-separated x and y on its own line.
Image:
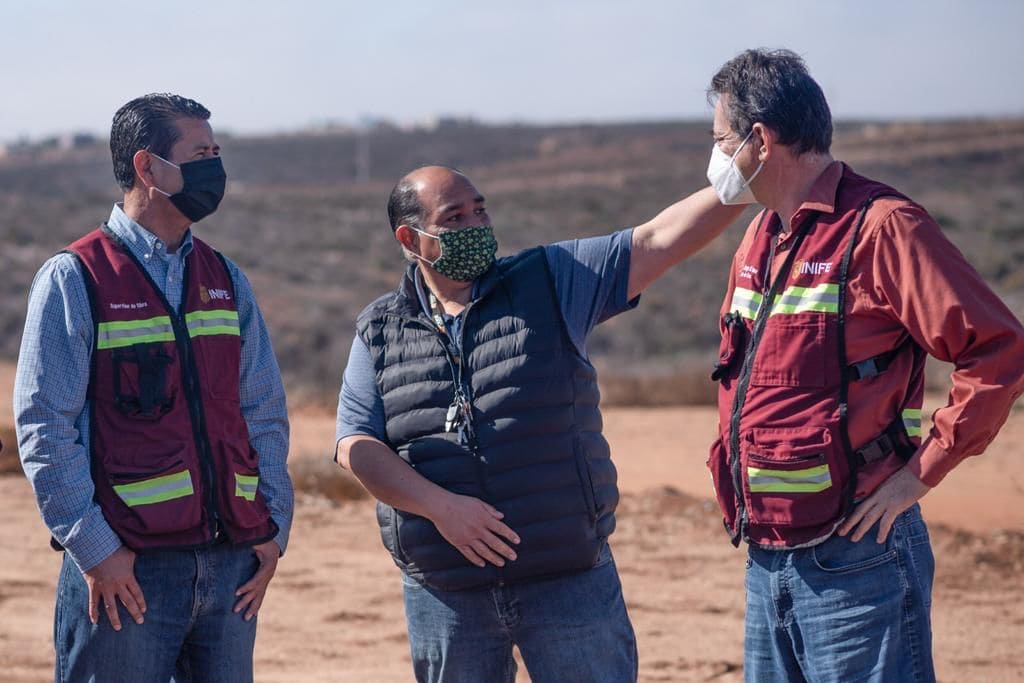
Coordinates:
586	483
791	353
218	362
140	381
788	477
238	479
161	499
396	535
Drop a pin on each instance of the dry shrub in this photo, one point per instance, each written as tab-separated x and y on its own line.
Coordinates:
9	462
320	477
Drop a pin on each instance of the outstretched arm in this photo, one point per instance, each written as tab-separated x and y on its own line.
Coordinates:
676	233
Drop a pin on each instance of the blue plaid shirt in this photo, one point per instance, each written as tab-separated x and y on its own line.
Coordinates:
51	411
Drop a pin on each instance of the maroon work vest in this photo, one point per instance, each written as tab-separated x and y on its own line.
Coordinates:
783	467
171	459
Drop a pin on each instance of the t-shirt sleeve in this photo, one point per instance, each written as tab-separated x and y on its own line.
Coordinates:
360	407
591	278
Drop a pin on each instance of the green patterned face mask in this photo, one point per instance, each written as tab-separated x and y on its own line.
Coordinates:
465	254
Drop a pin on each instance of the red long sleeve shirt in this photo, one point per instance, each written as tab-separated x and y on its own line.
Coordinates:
905	276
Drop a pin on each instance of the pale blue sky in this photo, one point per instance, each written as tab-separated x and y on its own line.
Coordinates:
270	66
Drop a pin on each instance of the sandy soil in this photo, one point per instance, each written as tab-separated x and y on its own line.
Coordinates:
334	612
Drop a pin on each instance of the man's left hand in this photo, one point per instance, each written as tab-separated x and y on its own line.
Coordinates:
895	495
253	591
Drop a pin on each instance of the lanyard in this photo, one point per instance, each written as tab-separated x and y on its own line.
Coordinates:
460	412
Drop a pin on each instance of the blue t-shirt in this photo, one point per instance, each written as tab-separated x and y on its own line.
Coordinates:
591	278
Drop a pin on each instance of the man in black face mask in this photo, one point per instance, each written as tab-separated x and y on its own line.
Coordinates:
152	422
469	408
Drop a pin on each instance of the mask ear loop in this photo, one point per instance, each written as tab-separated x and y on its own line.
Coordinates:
171	163
429	263
732	160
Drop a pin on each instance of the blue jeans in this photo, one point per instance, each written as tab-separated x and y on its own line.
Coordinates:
568	628
189	632
843	611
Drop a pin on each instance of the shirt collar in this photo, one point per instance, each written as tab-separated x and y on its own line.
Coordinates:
822	195
143	244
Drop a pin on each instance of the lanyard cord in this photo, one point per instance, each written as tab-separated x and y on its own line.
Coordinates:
459	412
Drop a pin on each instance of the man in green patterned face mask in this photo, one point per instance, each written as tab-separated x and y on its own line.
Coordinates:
469	408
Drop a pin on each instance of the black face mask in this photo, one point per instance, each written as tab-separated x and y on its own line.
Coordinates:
203	187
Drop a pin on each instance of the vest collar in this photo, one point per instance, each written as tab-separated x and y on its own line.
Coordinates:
408	302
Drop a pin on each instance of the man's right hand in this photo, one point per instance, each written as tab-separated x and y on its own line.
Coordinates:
113	579
475	529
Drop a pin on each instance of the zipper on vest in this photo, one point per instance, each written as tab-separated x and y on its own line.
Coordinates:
192	397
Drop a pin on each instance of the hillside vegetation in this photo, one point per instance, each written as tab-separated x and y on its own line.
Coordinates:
316	244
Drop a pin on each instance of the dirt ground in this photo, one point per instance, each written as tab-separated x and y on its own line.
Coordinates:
334	610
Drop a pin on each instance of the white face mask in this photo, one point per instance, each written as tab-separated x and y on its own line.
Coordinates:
726	178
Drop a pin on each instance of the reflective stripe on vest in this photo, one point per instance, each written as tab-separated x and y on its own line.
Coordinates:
202	323
156	490
822	298
912	421
245	486
112	335
810	480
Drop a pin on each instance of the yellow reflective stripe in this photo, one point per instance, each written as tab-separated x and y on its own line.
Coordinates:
912	421
823	298
745	302
220	321
214	329
156	490
212	315
118	333
808	480
246	485
133	324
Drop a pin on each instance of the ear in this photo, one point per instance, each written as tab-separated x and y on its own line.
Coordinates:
767	138
407	237
142	161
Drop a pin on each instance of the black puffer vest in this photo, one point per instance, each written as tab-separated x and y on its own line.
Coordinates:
536	454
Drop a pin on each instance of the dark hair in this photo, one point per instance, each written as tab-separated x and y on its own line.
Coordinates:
404	204
147	123
773	87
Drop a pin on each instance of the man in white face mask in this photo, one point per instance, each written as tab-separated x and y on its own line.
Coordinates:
840	289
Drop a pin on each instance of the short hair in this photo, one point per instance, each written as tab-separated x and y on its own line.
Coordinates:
147	123
773	87
404	205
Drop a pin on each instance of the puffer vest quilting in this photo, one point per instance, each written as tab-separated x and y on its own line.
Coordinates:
536	453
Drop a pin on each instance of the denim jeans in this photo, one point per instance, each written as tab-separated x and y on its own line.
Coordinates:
843	611
568	628
189	632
